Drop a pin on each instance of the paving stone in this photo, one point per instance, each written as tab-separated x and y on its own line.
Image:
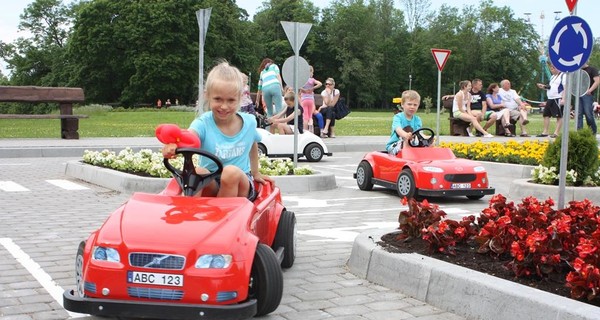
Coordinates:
349	291
312	305
308	315
388	305
24	308
347	310
423	310
389	314
316	295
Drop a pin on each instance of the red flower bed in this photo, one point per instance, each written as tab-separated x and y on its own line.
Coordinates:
542	241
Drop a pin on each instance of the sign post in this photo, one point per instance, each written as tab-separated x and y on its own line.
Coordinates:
569	48
440	56
296	33
203	17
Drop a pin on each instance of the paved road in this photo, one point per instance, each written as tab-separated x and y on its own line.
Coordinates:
45	215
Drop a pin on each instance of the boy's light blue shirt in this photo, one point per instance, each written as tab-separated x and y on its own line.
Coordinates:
400	120
232	150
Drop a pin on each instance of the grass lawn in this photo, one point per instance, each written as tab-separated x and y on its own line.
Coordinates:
142	124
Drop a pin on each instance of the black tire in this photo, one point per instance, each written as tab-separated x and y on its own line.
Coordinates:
286	238
313	152
405	186
364	176
79	277
262	150
477	197
266	280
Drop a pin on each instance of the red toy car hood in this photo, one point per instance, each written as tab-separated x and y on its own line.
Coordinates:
171	223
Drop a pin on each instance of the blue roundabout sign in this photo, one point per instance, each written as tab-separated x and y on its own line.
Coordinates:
570	44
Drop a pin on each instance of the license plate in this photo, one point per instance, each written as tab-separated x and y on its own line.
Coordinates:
461	186
161	279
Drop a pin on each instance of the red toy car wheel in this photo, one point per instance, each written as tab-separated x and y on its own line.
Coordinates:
266	280
364	176
286	238
79	277
406	184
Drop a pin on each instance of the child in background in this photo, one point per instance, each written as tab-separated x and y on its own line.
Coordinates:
228	134
407	118
307	99
284	121
246	105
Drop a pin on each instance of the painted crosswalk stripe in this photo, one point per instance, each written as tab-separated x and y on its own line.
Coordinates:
67	185
10	186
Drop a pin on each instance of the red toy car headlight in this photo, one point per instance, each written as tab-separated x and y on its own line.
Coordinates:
106	254
479	169
213	261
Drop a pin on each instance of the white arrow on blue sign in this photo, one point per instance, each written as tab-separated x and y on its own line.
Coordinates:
570	44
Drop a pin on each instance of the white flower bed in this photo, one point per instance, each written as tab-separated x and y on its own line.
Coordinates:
148	162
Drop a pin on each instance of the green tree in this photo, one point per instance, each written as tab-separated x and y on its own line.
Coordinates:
142	50
40	59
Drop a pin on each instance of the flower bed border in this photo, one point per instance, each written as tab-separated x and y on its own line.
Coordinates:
125	182
456	289
544	191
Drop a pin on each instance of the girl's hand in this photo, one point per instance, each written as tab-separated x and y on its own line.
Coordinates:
168	150
262	179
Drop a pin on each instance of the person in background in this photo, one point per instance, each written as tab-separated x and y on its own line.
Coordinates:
270	87
586	107
168	103
554	104
307	99
494	102
284	121
330	95
479	107
246	104
461	108
159	104
228	134
405	122
516	107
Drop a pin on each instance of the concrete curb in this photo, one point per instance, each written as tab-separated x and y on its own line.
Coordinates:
542	192
459	290
124	182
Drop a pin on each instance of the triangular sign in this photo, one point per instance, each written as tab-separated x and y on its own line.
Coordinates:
440	56
296	33
571	4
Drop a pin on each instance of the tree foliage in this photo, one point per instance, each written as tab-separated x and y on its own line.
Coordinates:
138	51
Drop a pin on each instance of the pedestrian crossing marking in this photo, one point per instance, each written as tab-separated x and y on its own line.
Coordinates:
10	186
67	185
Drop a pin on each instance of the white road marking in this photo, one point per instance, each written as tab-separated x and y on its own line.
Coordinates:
55	291
67	185
322	213
345	234
10	186
15	164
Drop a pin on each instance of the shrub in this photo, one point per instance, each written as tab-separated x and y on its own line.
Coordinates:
582	155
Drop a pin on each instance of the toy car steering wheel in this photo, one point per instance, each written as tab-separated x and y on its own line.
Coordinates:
189	180
423	137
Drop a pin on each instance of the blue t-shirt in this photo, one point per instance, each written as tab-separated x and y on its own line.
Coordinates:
232	150
400	120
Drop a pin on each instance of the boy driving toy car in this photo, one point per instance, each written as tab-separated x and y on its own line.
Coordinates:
405	122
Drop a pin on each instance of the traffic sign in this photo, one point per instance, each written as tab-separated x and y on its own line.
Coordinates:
288	72
296	33
571	4
440	56
570	44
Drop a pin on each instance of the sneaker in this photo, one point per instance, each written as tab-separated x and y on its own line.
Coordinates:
478	134
488	135
470	133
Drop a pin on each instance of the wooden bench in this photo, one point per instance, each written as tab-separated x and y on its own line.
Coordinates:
458	127
65	97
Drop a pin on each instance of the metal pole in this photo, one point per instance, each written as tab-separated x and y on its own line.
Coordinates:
297	57
203	17
562	176
409	81
439	98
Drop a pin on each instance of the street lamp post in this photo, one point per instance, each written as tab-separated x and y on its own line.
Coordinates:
409	81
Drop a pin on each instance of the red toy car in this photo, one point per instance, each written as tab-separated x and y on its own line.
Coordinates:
174	256
423	171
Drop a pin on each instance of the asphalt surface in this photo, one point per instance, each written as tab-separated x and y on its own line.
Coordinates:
45	214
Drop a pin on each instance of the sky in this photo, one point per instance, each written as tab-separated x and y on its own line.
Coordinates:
589	10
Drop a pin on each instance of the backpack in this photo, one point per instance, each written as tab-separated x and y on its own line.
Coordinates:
340	109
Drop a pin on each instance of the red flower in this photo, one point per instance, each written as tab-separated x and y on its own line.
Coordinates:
578	264
404	201
585	248
516	251
460	231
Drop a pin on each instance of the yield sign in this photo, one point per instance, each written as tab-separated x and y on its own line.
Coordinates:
440	56
571	4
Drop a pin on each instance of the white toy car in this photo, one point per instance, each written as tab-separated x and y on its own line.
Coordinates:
281	145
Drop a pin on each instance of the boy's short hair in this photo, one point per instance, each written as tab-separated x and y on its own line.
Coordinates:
289	96
410	95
